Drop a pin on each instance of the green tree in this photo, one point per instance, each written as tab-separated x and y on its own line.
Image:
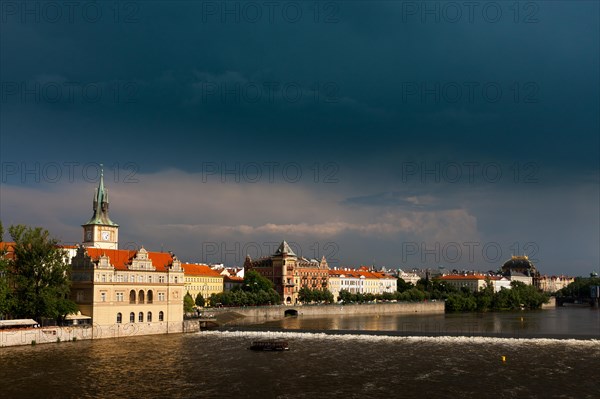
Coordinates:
188	303
199	300
41	275
346	296
305	295
327	296
579	288
403	285
254	282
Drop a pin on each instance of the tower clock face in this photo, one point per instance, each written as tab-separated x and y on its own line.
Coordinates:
106	235
88	235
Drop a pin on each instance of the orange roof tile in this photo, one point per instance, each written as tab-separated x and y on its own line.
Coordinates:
358	273
199	270
121	258
9	247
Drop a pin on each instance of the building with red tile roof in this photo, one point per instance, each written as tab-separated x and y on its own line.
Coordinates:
201	279
121	289
231	282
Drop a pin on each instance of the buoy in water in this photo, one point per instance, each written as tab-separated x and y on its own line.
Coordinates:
503	359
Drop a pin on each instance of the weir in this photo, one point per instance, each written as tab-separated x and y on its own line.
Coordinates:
265	313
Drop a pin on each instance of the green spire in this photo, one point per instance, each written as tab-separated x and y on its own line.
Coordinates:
101	203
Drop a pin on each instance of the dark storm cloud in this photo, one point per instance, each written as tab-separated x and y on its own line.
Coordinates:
375	75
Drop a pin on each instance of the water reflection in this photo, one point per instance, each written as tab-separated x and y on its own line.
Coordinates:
218	364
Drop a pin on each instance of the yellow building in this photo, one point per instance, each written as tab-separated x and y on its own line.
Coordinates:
124	292
119	287
201	279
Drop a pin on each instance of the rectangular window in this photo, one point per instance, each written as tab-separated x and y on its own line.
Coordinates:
161	296
103	296
161	279
120	297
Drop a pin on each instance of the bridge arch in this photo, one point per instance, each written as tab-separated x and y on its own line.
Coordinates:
290	312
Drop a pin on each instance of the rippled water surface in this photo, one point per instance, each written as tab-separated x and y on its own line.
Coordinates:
219	365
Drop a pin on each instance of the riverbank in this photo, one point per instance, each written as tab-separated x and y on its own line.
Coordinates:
55	334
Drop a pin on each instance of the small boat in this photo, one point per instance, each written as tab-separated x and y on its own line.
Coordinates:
270	346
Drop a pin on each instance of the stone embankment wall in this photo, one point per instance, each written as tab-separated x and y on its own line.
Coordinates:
265	313
27	336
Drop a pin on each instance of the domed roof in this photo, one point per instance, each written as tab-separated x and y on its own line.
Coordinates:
520	264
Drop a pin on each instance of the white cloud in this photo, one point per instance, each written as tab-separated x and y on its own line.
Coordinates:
179	210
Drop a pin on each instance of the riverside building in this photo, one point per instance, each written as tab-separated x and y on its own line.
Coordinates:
289	273
361	281
125	292
201	279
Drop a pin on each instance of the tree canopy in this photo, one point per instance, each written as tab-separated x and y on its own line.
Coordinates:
307	295
518	296
188	303
581	287
255	282
200	300
256	290
38	277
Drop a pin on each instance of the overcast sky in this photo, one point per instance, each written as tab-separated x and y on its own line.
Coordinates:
401	134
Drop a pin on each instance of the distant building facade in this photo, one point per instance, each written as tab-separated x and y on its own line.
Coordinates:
289	273
551	284
232	282
201	279
361	281
411	278
475	282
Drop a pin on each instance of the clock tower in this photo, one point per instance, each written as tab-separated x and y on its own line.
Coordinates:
100	231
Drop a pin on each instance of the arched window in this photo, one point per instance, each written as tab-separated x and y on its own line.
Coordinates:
132	296
161	316
141	317
132	317
149	318
141	297
119	318
150	296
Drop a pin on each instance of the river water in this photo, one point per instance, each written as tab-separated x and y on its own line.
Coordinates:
327	360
